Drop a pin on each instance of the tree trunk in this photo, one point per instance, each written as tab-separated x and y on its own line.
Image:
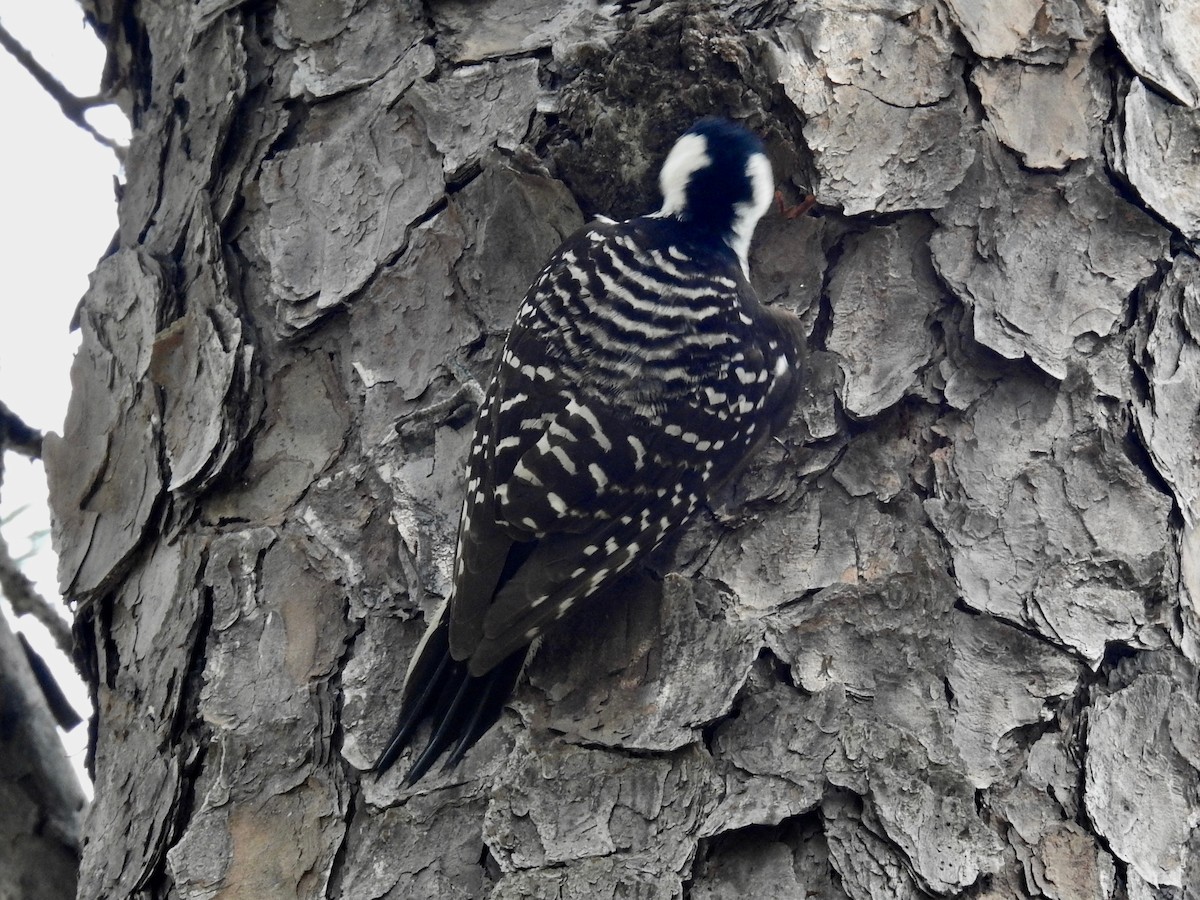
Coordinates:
39	793
940	640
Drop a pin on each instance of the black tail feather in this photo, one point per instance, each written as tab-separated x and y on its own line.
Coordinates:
424	681
461	706
446	723
496	689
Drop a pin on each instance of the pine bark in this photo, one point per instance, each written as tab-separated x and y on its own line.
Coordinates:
941	640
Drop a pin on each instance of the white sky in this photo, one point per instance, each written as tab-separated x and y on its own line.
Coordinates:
57	215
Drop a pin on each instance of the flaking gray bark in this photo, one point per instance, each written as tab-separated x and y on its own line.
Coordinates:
941	640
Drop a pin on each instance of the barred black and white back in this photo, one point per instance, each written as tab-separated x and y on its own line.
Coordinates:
640	374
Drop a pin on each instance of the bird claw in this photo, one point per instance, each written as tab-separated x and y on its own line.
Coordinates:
794	212
457	410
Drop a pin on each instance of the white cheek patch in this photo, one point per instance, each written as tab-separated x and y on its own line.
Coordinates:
687	157
762	179
747	214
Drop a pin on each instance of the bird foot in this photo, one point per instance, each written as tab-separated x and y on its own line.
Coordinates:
456	410
794	212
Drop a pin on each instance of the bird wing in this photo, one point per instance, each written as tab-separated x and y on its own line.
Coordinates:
605	515
553	472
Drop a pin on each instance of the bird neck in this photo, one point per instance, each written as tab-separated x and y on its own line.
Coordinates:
733	231
701	242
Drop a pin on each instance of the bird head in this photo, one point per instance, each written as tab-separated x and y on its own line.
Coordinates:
718	182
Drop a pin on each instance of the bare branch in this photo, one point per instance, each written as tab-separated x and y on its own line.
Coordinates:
17	436
72	107
60	707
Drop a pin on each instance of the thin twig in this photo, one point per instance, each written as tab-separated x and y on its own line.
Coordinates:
26	600
72	107
15	584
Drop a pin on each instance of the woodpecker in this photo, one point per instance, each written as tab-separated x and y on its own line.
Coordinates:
640	375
